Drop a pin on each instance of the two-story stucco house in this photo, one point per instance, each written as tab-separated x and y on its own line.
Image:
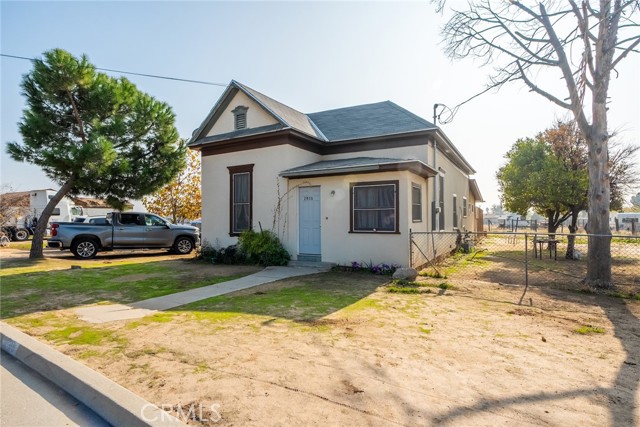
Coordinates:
336	186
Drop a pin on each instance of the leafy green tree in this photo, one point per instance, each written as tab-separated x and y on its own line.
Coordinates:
93	134
535	178
570	148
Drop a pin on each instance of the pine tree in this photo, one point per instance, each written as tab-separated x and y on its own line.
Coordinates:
93	134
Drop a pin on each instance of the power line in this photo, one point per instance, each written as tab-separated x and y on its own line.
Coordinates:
132	73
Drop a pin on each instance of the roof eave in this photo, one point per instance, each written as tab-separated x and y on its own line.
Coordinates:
381	136
475	189
413	166
457	155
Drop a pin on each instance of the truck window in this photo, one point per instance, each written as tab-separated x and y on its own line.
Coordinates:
152	220
130	219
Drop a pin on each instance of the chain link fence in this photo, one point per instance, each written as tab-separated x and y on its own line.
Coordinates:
520	258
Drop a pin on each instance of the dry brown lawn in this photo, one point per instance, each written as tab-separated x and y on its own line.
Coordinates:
339	349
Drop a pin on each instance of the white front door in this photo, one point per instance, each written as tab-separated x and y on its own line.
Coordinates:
310	220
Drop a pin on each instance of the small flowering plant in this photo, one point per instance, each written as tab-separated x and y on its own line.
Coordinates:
381	269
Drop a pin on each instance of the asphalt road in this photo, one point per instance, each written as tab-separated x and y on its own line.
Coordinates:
27	399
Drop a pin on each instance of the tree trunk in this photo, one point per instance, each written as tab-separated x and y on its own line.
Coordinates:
43	221
552	225
571	239
599	257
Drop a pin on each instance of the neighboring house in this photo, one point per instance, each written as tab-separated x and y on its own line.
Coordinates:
92	206
338	186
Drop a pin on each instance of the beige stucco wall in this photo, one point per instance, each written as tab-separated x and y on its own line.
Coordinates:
418	152
338	244
256	115
455	182
269	162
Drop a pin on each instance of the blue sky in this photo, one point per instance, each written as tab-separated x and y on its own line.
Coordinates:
311	56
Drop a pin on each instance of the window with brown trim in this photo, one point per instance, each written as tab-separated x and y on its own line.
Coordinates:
374	207
240	198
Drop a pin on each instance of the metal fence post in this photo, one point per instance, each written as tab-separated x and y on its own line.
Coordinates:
526	260
410	248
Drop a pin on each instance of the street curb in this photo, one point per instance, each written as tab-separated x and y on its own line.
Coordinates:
117	405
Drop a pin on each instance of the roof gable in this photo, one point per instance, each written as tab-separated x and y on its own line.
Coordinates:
288	116
263	112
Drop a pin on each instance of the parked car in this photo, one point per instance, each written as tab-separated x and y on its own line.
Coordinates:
123	230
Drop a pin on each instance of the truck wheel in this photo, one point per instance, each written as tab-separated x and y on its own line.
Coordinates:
84	248
21	234
183	245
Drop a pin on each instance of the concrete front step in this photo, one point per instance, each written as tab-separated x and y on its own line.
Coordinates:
322	266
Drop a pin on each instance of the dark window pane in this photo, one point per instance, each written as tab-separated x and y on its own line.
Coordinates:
374	197
241	188
416	203
241	217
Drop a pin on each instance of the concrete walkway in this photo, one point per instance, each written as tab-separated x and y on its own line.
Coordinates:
136	310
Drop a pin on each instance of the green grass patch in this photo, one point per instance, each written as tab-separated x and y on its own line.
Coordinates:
407	287
29	292
163	317
83	335
589	330
425	330
433	274
628	240
407	290
214	316
302	298
418	285
23	246
88	354
363	305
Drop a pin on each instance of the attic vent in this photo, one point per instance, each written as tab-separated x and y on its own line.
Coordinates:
240	117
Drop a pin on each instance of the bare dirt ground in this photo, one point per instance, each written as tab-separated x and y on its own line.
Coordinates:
455	357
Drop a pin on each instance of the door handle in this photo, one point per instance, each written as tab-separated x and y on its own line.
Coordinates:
121	228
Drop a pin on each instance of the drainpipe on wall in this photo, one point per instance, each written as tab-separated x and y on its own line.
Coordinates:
435	178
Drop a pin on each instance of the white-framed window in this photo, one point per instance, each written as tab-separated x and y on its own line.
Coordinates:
464	207
374	207
416	202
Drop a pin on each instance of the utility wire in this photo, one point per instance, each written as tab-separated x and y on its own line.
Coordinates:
132	73
453	111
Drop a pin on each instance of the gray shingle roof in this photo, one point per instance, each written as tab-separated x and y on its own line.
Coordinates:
365	121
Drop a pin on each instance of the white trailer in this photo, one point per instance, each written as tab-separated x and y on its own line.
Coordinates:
19	228
65	211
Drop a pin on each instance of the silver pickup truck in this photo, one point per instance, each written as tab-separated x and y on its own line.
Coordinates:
123	230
